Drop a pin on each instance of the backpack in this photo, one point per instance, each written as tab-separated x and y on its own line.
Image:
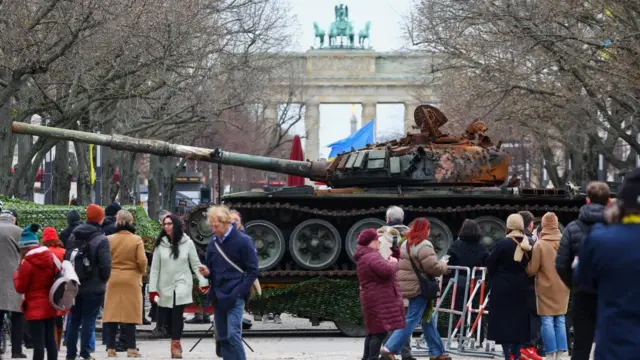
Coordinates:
79	257
65	286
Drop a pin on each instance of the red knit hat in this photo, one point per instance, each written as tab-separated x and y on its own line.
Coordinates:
49	233
367	236
95	214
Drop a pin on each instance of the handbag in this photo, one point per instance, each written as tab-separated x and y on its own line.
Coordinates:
256	289
429	287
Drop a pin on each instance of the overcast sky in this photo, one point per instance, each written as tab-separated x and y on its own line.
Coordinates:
386	35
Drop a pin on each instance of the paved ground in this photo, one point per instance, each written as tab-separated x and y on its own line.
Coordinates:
266	348
303	346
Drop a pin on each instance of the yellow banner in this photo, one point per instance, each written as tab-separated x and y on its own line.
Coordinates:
92	171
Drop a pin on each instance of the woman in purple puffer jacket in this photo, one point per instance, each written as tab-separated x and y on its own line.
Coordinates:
380	294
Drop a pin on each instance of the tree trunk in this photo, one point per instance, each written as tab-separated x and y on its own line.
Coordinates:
153	179
128	175
24	162
7	145
61	174
83	183
24	187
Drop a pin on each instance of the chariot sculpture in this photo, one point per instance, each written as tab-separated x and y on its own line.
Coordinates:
341	31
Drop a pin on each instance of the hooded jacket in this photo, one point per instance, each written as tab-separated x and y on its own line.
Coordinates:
552	294
380	294
99	254
73	220
572	240
34	279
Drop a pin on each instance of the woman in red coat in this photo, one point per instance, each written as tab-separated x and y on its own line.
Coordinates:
50	240
380	294
34	279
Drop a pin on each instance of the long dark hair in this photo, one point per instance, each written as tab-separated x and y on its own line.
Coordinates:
177	235
470	230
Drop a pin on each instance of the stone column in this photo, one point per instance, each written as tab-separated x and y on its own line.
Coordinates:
271	116
409	121
312	129
368	113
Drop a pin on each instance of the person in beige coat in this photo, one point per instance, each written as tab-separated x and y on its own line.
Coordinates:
419	251
128	265
552	295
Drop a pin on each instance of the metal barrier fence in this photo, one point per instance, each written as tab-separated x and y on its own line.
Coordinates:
467	337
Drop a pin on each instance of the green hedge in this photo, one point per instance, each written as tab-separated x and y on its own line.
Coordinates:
324	299
56	216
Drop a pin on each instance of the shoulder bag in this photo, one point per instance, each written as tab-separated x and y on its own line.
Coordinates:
429	287
256	289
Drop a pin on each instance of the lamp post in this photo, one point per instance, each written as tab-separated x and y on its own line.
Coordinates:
47	179
97	187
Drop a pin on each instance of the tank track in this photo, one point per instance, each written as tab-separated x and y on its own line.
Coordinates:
382	209
293	275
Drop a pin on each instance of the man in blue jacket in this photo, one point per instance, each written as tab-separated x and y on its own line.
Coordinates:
609	263
231	267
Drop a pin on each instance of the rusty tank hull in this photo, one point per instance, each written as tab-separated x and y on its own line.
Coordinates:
302	232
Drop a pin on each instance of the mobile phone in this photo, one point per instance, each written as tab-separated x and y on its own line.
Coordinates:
394	242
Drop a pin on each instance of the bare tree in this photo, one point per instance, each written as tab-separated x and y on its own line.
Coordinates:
151	69
556	71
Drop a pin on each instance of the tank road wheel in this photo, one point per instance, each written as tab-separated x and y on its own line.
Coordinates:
351	330
315	244
269	243
440	236
198	228
493	229
538	220
351	241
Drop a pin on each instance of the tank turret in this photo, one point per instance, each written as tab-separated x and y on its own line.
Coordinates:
427	158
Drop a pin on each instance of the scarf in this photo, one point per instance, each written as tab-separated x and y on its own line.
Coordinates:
631	219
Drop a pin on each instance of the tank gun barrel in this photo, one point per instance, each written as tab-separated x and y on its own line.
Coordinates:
313	170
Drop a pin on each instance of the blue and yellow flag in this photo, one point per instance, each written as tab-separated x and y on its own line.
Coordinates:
357	140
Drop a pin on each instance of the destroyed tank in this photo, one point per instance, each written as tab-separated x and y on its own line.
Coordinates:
302	232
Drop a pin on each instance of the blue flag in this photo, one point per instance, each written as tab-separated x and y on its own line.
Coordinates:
357	140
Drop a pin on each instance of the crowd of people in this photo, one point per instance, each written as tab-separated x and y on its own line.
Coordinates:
110	262
532	272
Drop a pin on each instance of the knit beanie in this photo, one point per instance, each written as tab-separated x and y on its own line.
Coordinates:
629	192
49	233
95	214
112	209
29	238
367	236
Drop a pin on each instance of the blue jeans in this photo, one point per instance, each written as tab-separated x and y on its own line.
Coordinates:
92	343
228	325
554	333
398	338
83	314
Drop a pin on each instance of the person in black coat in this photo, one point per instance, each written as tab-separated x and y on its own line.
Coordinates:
73	220
469	252
509	322
584	302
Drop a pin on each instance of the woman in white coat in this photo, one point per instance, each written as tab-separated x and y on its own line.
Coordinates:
171	280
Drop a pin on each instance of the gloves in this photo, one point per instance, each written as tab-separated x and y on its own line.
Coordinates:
395	252
152	296
204	289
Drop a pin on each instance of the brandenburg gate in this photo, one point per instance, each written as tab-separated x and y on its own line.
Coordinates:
345	73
